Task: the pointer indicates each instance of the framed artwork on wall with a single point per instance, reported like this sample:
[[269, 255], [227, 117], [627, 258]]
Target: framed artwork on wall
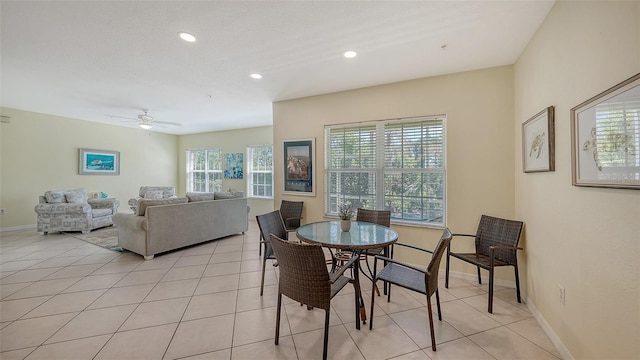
[[233, 166], [538, 142], [98, 162], [299, 162], [605, 138]]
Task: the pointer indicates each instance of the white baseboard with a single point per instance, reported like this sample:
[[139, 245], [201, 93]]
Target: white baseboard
[[16, 228], [564, 352]]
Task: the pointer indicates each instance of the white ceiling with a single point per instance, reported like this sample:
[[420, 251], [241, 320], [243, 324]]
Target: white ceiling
[[85, 59]]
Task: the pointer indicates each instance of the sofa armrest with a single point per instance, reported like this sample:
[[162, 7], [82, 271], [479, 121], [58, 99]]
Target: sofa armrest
[[63, 208], [130, 222], [109, 203]]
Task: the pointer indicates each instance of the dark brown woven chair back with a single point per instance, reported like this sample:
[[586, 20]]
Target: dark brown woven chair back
[[291, 212], [269, 223], [494, 231], [303, 274], [380, 217], [433, 268]]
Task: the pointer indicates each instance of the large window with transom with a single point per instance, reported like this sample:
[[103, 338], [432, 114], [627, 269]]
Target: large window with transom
[[397, 165]]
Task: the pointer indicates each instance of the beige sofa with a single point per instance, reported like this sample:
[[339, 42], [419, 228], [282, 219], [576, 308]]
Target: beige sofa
[[169, 224]]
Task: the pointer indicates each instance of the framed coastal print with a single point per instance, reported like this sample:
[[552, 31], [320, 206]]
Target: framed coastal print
[[538, 143], [299, 162], [233, 166], [605, 138], [98, 162]]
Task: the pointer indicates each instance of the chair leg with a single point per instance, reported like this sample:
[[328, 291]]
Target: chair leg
[[260, 247], [264, 264], [326, 335], [490, 290], [357, 290], [278, 317], [446, 271], [438, 304], [373, 300], [517, 282], [479, 277], [433, 335]]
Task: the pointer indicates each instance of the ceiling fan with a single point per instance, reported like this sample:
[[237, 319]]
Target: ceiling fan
[[145, 120]]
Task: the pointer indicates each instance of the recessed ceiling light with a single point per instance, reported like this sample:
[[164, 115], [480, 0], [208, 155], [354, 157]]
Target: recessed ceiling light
[[350, 54], [256, 76], [187, 37]]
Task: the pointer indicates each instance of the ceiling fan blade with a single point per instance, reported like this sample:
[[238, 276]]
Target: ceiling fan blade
[[167, 123], [120, 117]]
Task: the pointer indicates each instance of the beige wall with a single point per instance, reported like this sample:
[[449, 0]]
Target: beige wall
[[585, 239], [232, 141], [39, 152], [480, 160]]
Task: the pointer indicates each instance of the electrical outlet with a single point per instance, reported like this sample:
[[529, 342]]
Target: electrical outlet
[[3, 211], [562, 294]]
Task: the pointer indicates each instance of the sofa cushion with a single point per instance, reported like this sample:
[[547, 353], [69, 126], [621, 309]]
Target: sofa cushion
[[218, 195], [77, 196], [96, 213], [200, 196], [155, 194], [54, 197], [144, 203]]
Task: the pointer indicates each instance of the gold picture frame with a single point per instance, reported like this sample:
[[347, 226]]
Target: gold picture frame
[[538, 142], [605, 138]]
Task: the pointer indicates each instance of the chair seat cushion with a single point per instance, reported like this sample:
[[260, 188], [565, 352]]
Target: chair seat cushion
[[338, 285], [478, 259], [96, 213], [403, 276]]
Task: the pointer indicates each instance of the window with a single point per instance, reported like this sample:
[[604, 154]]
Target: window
[[396, 165], [260, 171], [204, 170]]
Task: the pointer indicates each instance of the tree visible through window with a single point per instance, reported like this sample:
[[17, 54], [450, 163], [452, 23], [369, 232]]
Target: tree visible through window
[[204, 170], [394, 165], [260, 171]]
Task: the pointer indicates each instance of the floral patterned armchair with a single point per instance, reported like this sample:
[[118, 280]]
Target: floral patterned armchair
[[151, 192], [72, 210]]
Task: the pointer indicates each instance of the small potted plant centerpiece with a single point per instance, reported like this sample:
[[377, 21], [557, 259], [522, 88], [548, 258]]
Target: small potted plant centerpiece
[[345, 211]]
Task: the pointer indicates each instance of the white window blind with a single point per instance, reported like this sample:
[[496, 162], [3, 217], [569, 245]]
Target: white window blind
[[260, 171], [204, 170], [397, 165]]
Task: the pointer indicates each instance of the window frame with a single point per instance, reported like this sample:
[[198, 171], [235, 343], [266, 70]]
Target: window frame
[[379, 172], [251, 171]]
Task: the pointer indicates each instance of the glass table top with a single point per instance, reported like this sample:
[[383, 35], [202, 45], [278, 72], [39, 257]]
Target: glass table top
[[363, 235]]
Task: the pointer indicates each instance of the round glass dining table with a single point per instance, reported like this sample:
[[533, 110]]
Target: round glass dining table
[[361, 237]]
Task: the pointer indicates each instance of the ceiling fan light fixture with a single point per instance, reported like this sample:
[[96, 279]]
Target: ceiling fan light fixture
[[350, 54], [145, 126], [187, 37]]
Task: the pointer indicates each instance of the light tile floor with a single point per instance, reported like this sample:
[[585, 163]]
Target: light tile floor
[[62, 298]]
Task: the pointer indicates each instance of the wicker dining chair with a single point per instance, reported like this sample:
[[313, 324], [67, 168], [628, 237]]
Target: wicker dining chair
[[270, 223], [496, 242], [414, 278], [303, 277], [291, 212]]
